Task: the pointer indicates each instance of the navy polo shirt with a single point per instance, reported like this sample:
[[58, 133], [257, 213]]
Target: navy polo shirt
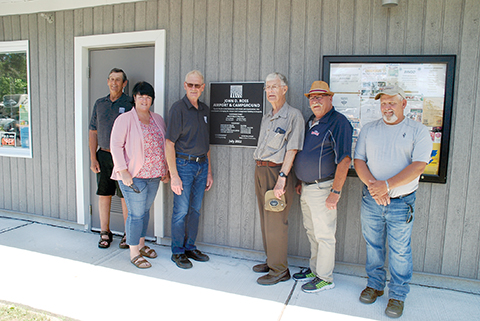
[[326, 144], [189, 127], [104, 114]]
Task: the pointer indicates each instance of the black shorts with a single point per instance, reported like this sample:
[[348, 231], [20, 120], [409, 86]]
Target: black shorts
[[105, 185]]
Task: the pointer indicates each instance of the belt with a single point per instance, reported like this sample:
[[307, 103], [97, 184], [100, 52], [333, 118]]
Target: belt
[[198, 159], [267, 163], [401, 196], [319, 180]]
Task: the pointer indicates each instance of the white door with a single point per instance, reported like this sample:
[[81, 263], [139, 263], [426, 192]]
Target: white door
[[138, 64]]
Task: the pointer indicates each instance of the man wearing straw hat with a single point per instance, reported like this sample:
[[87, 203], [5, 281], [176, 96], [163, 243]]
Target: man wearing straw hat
[[390, 155], [322, 167]]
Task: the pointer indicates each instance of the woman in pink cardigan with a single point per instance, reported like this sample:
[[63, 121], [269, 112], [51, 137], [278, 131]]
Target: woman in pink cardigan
[[137, 145]]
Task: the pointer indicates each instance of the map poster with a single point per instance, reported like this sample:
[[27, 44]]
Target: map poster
[[236, 111]]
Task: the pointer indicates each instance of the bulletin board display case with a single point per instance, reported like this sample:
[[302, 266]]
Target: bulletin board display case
[[428, 82]]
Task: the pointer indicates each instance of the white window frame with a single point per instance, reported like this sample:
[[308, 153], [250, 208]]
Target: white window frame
[[18, 47]]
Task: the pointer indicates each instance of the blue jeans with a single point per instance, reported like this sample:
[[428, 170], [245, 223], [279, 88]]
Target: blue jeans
[[393, 222], [186, 207], [138, 205]]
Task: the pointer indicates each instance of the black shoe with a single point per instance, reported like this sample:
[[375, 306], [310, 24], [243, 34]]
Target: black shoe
[[274, 279], [369, 295], [182, 261], [104, 243], [261, 268], [197, 256], [394, 308], [305, 274]]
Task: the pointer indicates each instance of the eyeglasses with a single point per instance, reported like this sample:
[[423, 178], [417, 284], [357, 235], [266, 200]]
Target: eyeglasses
[[317, 97], [274, 87], [189, 85], [135, 188]]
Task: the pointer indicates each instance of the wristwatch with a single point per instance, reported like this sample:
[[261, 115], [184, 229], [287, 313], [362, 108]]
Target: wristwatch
[[282, 174], [334, 191]]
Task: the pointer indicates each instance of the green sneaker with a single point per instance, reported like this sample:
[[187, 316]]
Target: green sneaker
[[304, 275], [317, 285]]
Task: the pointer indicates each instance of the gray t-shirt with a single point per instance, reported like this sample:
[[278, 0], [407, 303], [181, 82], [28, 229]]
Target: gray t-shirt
[[104, 114], [388, 149]]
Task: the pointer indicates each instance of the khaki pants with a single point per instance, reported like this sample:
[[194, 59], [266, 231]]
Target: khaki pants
[[321, 224], [274, 225]]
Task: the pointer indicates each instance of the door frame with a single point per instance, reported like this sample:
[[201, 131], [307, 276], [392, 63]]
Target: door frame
[[83, 44]]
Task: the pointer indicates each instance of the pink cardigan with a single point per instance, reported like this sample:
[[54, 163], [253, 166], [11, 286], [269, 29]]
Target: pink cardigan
[[126, 142]]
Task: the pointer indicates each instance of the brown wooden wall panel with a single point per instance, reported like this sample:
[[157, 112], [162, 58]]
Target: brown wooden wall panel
[[244, 40]]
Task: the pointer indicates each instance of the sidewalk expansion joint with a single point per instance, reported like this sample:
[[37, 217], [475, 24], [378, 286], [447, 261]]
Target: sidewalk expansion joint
[[8, 229], [287, 301], [107, 257]]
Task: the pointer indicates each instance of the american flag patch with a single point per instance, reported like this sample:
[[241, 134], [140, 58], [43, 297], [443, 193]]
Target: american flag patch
[[315, 132]]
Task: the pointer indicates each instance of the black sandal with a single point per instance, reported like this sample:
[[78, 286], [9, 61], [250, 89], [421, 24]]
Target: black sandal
[[123, 242], [102, 240]]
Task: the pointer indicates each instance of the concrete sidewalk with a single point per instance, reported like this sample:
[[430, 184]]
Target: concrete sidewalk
[[64, 272]]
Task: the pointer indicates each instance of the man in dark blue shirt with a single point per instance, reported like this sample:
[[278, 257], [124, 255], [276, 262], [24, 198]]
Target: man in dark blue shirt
[[188, 155], [105, 111], [322, 167]]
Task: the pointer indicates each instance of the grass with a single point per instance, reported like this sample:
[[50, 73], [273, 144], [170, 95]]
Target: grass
[[17, 312]]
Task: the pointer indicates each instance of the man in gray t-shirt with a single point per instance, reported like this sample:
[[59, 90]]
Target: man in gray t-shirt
[[105, 111], [390, 155]]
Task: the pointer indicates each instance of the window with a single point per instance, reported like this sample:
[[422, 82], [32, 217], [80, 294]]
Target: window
[[15, 115]]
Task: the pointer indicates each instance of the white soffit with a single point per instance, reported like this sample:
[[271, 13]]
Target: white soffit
[[13, 7]]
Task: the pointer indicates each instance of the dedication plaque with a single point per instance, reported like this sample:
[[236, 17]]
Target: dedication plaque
[[236, 111]]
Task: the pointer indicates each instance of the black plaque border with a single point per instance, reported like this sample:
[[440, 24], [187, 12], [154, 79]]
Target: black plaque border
[[235, 83]]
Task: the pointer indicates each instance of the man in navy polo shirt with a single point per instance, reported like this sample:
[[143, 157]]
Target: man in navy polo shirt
[[322, 167], [105, 111], [188, 155]]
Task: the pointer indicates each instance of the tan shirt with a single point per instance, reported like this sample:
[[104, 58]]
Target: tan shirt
[[278, 133]]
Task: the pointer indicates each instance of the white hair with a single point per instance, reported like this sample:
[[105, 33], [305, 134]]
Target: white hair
[[195, 72], [277, 75]]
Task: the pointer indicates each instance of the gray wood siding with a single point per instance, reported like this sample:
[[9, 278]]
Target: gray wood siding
[[244, 40]]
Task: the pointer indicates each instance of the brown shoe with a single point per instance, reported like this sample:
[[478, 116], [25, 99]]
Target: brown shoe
[[148, 252], [394, 308], [261, 268], [273, 279], [369, 295]]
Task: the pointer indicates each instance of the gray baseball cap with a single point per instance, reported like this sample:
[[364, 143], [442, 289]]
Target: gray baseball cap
[[391, 91]]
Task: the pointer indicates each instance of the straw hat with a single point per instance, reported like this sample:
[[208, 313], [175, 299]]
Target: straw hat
[[319, 87]]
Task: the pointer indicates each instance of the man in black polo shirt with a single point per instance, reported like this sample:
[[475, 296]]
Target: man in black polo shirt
[[188, 154], [105, 111], [322, 167]]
